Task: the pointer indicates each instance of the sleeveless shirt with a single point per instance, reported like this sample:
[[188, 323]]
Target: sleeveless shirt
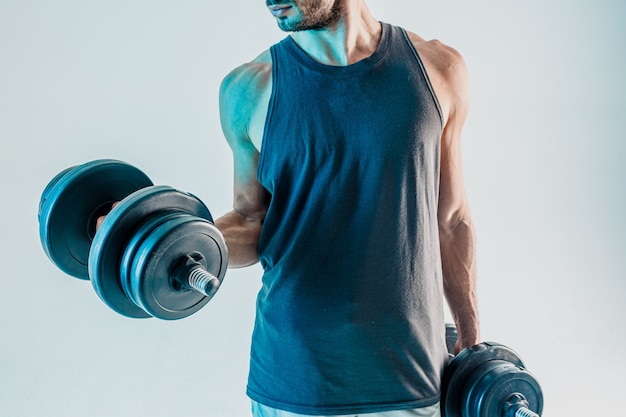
[[350, 314]]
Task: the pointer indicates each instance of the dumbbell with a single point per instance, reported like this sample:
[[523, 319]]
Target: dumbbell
[[157, 252], [488, 380]]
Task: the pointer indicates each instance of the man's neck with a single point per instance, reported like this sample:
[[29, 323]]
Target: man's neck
[[353, 38]]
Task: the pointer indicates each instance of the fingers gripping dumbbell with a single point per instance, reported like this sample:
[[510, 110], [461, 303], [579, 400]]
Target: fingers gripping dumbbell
[[157, 252], [488, 380]]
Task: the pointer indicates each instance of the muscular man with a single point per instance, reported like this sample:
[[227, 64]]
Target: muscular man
[[348, 189]]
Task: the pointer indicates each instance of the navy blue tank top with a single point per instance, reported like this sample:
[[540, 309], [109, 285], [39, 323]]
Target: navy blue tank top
[[350, 313]]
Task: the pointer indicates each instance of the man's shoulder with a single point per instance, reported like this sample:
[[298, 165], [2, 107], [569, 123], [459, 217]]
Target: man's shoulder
[[447, 71], [244, 95], [250, 77], [437, 54]]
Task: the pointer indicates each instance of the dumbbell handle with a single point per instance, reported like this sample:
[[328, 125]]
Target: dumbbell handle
[[203, 281]]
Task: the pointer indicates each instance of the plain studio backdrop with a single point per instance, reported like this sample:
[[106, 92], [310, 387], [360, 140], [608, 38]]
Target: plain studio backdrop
[[137, 80]]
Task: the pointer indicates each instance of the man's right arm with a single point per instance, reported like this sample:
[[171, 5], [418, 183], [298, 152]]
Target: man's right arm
[[243, 95]]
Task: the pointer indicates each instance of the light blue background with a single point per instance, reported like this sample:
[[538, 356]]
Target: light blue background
[[137, 80]]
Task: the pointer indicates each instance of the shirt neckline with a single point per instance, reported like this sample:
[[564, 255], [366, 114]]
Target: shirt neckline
[[362, 65]]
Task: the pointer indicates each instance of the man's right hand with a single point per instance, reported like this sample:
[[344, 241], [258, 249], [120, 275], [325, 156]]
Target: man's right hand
[[100, 219]]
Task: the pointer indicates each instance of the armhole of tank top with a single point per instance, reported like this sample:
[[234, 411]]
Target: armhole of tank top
[[269, 114], [426, 77]]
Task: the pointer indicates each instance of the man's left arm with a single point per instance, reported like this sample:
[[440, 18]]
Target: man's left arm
[[456, 230]]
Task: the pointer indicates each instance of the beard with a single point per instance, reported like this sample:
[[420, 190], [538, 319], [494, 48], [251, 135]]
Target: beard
[[312, 14]]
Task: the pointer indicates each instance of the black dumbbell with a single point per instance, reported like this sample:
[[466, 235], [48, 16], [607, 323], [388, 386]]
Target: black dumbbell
[[488, 380], [156, 254]]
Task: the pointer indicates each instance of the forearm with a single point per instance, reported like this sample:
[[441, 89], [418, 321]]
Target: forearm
[[459, 279], [242, 238]]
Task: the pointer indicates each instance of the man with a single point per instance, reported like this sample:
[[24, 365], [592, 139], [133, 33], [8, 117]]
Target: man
[[348, 189]]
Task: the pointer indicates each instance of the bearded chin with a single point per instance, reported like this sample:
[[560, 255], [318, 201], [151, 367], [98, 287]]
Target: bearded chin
[[293, 25], [311, 21]]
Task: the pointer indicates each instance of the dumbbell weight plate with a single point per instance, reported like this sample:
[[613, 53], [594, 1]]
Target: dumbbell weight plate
[[151, 273], [461, 368], [491, 384], [133, 246], [116, 231], [71, 203]]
